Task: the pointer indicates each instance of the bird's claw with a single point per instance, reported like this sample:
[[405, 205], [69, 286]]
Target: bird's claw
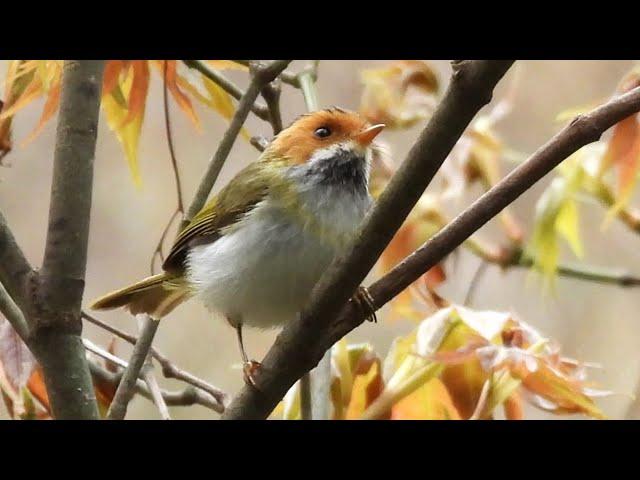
[[365, 303], [249, 369]]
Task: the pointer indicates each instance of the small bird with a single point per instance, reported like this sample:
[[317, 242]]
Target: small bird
[[257, 248]]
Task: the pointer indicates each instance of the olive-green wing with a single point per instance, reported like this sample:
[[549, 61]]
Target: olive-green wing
[[240, 195]]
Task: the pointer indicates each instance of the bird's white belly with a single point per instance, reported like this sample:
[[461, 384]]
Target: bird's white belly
[[262, 273]]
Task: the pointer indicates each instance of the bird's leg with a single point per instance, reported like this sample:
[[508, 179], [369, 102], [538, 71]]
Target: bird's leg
[[363, 299], [249, 367]]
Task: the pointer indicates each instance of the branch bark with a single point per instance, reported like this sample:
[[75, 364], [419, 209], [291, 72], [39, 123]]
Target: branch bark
[[56, 292], [303, 342], [126, 387], [186, 397], [14, 267]]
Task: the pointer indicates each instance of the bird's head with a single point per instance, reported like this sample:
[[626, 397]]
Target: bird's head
[[324, 135]]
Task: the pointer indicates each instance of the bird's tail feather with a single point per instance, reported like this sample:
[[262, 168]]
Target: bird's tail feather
[[156, 296]]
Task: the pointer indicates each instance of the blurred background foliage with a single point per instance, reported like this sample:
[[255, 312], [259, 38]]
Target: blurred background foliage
[[562, 220]]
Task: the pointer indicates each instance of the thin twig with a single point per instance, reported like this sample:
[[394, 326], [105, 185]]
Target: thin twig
[[151, 381], [157, 252], [186, 397], [172, 151], [156, 392], [101, 352], [179, 211], [515, 257], [125, 391], [261, 111], [13, 314], [288, 77], [169, 369], [475, 280], [260, 143], [271, 94]]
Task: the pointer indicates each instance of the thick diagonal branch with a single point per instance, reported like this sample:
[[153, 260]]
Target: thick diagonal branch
[[303, 342]]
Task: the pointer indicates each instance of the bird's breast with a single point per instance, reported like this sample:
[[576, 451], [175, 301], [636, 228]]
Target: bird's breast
[[262, 272]]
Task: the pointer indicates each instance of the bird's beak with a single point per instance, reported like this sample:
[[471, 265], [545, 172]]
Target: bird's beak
[[366, 136]]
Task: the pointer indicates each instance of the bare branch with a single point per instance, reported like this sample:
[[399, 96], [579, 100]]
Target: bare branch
[[260, 143], [304, 341], [14, 267], [126, 388], [186, 397], [151, 381], [271, 94], [172, 151], [13, 314], [169, 369], [156, 393]]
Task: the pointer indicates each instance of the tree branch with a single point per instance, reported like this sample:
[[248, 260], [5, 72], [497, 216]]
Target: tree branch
[[261, 111], [186, 397], [304, 341], [169, 369], [126, 387], [13, 314], [14, 267], [58, 289]]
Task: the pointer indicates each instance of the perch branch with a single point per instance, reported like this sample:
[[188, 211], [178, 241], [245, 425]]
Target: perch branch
[[303, 342]]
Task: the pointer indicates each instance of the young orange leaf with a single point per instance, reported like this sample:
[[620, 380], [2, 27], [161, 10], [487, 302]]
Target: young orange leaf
[[128, 134], [513, 407], [181, 99], [111, 78], [367, 386], [49, 109], [137, 96], [431, 401]]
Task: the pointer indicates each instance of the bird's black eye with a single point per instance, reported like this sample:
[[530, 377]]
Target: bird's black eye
[[322, 132]]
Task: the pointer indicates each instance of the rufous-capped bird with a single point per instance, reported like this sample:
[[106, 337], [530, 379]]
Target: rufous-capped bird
[[257, 248]]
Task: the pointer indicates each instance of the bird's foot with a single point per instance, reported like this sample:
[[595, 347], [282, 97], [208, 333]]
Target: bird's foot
[[249, 369], [363, 299]]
